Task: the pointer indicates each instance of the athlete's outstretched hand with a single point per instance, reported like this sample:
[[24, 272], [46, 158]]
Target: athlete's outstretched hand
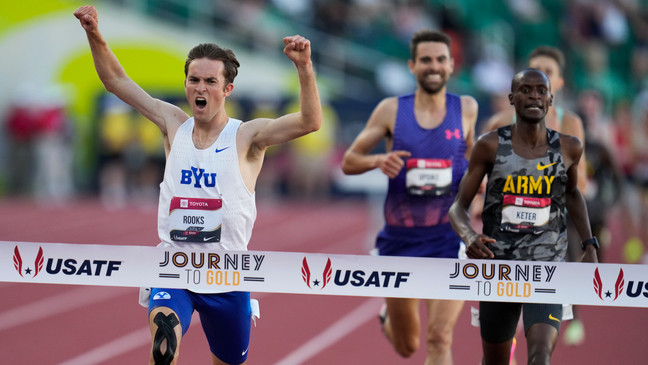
[[298, 49], [391, 163], [88, 17], [476, 249]]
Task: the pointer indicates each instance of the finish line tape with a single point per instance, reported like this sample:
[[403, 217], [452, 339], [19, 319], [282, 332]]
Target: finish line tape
[[325, 274]]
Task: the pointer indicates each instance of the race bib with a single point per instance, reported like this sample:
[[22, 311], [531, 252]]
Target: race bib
[[428, 176], [195, 220], [522, 214]]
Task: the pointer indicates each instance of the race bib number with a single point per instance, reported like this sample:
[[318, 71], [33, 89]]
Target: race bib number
[[428, 176], [195, 220], [525, 214]]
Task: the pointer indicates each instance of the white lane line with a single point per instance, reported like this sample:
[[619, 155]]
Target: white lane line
[[119, 346], [113, 349], [57, 304], [345, 325]]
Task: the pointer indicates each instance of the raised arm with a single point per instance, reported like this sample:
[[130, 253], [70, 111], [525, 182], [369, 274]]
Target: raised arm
[[481, 162], [116, 81], [267, 132]]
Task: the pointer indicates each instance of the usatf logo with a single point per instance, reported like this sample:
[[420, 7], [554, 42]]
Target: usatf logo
[[38, 263], [326, 275], [618, 286], [66, 266], [357, 278]]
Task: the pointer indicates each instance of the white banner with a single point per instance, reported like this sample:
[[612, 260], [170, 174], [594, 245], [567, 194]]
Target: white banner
[[325, 274]]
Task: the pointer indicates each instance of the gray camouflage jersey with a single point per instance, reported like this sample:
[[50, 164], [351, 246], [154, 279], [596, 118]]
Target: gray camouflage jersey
[[524, 208]]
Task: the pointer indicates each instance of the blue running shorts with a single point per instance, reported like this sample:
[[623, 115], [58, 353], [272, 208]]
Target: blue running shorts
[[225, 318]]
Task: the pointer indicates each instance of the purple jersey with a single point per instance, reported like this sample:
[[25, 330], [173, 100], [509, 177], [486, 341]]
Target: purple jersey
[[423, 191]]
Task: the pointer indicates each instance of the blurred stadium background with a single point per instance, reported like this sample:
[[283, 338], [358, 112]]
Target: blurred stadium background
[[63, 135]]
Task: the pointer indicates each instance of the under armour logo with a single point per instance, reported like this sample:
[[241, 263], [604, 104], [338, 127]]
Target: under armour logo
[[456, 134]]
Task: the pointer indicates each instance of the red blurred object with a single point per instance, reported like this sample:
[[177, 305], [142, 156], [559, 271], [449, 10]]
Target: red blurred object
[[25, 123]]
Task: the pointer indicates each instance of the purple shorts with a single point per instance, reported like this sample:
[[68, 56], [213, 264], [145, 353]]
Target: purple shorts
[[436, 241]]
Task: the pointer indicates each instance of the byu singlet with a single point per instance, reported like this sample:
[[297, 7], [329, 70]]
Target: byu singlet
[[422, 193], [524, 207], [204, 203]]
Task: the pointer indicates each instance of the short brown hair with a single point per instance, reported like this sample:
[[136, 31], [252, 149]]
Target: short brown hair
[[216, 53], [551, 52], [427, 35]]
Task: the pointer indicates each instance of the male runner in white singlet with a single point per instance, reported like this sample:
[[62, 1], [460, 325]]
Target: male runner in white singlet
[[207, 197]]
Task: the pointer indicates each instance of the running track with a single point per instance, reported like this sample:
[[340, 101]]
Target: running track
[[84, 325]]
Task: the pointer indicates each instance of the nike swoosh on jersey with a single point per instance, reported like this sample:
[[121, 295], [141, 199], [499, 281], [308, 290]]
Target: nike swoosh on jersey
[[205, 239], [222, 149], [542, 167], [553, 318]]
